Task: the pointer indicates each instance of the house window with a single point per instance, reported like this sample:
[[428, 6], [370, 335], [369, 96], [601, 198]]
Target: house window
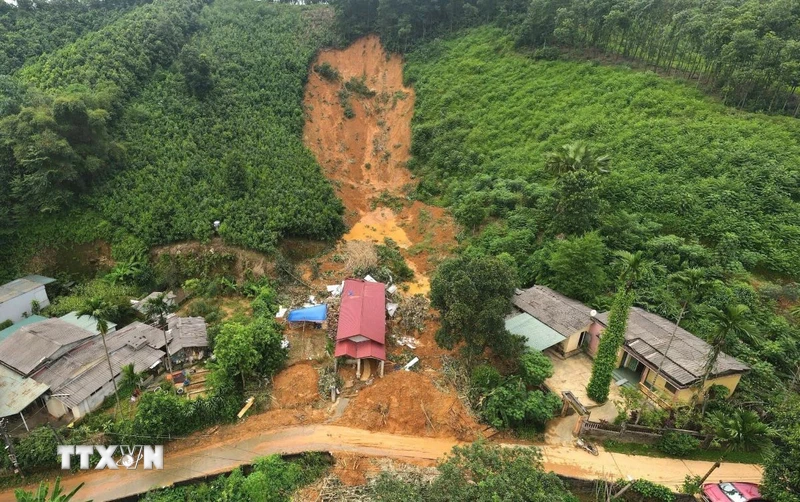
[[670, 388]]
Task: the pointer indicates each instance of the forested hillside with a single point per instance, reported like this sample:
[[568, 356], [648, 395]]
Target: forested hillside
[[691, 183], [747, 51], [218, 135], [57, 113], [131, 131], [34, 28]]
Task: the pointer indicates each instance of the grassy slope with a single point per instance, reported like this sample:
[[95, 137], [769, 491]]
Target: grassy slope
[[699, 169]]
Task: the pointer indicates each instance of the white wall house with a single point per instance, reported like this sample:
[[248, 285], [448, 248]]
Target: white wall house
[[17, 297]]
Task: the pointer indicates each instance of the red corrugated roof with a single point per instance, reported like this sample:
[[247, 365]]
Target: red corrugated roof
[[360, 350], [362, 311]]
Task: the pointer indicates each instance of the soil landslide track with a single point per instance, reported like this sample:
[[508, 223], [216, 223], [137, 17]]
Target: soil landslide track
[[365, 156]]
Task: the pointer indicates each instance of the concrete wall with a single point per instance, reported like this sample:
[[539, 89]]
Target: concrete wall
[[571, 344], [686, 395], [15, 307], [594, 338], [56, 408]]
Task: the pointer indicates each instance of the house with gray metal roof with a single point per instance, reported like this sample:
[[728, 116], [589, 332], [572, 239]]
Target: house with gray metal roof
[[546, 319], [34, 345], [80, 380], [188, 339], [18, 297], [665, 360]]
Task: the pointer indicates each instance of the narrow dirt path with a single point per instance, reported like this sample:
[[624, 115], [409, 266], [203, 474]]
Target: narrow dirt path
[[223, 457], [365, 155]]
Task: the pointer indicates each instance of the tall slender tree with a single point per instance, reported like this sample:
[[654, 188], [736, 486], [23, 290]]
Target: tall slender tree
[[102, 311], [730, 323], [633, 268], [158, 308], [690, 283]]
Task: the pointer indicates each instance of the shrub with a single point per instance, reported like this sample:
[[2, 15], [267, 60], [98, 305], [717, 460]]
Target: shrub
[[650, 491], [678, 444], [534, 368], [359, 86], [547, 53], [485, 378], [328, 72]]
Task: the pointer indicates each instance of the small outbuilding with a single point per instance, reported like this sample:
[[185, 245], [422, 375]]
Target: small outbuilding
[[19, 297]]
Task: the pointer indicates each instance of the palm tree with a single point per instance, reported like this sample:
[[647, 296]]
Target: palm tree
[[160, 307], [731, 322], [576, 156], [101, 311], [129, 376], [633, 267], [691, 283], [741, 430]]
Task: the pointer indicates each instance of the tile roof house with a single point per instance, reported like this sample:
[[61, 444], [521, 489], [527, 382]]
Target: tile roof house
[[647, 337], [361, 332], [550, 320]]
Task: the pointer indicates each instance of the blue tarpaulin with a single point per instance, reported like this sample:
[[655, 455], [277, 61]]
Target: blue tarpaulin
[[317, 313]]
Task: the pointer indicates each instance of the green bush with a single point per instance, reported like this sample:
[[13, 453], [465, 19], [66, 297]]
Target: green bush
[[652, 492], [328, 72], [678, 444], [534, 368]]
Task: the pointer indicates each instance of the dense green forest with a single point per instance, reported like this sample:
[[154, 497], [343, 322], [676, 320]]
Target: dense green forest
[[130, 131], [747, 50], [34, 28], [233, 150], [690, 183]]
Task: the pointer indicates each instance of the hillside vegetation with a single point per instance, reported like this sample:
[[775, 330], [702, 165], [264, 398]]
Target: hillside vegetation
[[36, 28], [227, 146], [690, 183], [723, 182], [163, 138]]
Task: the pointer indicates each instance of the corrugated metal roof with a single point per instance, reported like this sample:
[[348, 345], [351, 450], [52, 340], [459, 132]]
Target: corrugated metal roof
[[140, 305], [40, 279], [648, 335], [538, 335], [362, 311], [17, 392], [360, 350], [16, 288], [137, 333], [187, 332], [83, 371], [17, 325], [33, 344], [565, 315], [86, 322]]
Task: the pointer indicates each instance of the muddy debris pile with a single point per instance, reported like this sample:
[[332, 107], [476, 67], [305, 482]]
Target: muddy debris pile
[[296, 387], [406, 402]]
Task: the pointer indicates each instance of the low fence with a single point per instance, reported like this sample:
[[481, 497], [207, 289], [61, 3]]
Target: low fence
[[633, 433]]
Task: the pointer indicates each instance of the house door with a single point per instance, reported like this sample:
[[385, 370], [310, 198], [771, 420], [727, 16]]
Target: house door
[[583, 340]]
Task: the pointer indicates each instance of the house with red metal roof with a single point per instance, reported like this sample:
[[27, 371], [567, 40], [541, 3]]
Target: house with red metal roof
[[361, 333]]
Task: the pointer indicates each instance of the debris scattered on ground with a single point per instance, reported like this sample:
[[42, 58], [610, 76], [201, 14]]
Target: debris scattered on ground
[[405, 402]]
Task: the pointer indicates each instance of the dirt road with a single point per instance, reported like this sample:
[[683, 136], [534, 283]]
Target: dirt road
[[218, 458]]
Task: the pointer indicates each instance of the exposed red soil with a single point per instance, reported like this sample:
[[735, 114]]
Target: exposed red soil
[[365, 156], [296, 387], [407, 402]]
